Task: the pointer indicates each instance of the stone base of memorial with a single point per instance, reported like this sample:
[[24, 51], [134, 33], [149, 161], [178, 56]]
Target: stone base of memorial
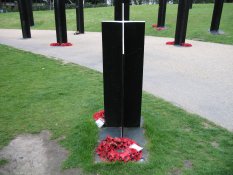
[[216, 32]]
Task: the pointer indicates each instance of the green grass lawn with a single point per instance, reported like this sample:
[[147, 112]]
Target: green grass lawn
[[199, 20], [37, 93]]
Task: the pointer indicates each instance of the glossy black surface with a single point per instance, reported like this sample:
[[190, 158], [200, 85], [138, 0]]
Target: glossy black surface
[[123, 73], [162, 13], [191, 4], [118, 10], [79, 16], [182, 20], [217, 13], [24, 18], [60, 21]]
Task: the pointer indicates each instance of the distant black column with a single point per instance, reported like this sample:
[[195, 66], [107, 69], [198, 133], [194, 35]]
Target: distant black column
[[191, 4], [24, 18], [182, 21], [118, 9], [123, 73], [216, 18], [79, 16], [162, 13], [30, 12], [60, 20]]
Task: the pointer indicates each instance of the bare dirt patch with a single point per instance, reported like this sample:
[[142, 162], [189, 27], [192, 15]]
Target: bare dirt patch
[[175, 171], [188, 164], [215, 144], [34, 155]]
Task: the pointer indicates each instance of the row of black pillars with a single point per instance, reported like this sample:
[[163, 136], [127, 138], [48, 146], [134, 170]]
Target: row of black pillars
[[182, 18], [118, 9]]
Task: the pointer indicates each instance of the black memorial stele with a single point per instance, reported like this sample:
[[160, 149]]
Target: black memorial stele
[[118, 10], [60, 20], [23, 6], [123, 72], [79, 17], [216, 18]]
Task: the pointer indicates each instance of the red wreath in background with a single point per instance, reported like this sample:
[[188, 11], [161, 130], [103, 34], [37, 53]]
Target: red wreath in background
[[158, 28], [118, 149], [61, 44], [183, 44]]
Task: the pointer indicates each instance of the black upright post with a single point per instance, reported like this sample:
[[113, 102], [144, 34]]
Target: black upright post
[[30, 12], [79, 16], [60, 20], [162, 13], [122, 72], [118, 9], [216, 18], [182, 21], [24, 18], [191, 4]]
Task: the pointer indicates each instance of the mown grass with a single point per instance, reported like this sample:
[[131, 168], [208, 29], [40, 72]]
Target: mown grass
[[3, 162], [37, 93], [199, 20]]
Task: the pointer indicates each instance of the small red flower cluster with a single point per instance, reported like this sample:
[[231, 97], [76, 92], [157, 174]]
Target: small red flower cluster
[[61, 44], [98, 115], [118, 149]]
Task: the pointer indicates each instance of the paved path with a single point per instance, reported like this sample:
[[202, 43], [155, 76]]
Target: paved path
[[198, 79]]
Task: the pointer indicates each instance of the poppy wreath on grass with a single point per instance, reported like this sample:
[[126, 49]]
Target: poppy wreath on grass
[[118, 149]]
